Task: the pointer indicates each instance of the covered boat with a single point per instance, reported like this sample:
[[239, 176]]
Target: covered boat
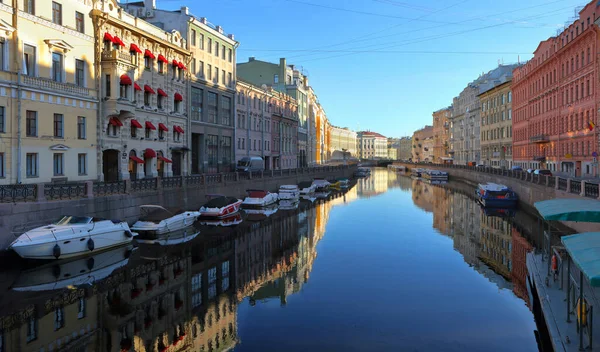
[[220, 206], [496, 195], [74, 272], [259, 198], [362, 172], [289, 192], [306, 187], [156, 220], [72, 236], [434, 176], [170, 238], [344, 182], [321, 184], [417, 172]]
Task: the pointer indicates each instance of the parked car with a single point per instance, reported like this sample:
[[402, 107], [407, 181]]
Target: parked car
[[250, 164], [516, 168], [480, 165], [529, 171], [543, 172]]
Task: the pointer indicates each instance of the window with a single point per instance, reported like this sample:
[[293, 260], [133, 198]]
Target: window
[[29, 7], [180, 71], [209, 72], [216, 75], [58, 164], [31, 123], [217, 49], [59, 126], [193, 37], [59, 318], [226, 111], [79, 24], [147, 63], [230, 56], [230, 80], [81, 305], [29, 60], [223, 52], [31, 329], [223, 76], [146, 98], [56, 13], [276, 79], [133, 132], [79, 72], [201, 41], [196, 103], [209, 45], [161, 67], [193, 66], [148, 131], [2, 120], [31, 165], [107, 85], [82, 167], [161, 133], [2, 174], [123, 91], [81, 127], [159, 100], [176, 105], [57, 67], [212, 107], [201, 69]]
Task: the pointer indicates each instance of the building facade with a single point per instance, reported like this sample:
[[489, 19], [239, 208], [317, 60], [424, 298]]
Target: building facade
[[343, 142], [286, 79], [48, 92], [556, 101], [422, 144], [403, 147], [441, 135], [496, 125], [142, 70], [372, 145], [284, 130], [212, 76], [254, 113]]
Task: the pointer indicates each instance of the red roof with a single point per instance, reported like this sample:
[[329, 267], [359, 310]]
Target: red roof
[[372, 134]]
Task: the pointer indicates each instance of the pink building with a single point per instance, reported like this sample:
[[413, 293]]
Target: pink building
[[556, 101]]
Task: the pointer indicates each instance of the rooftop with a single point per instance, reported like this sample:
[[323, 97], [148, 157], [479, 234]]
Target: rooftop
[[372, 134]]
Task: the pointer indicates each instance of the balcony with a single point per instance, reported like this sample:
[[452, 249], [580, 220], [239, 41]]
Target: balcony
[[52, 85], [540, 138], [116, 55]]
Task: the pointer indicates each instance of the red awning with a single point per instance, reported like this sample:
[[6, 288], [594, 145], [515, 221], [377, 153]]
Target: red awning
[[115, 122], [135, 123], [137, 86], [162, 93], [178, 97], [164, 159], [136, 159], [162, 127], [148, 53], [182, 66], [125, 80], [108, 37], [175, 63], [118, 40], [133, 47], [178, 129], [162, 59], [149, 153], [149, 89], [150, 126]]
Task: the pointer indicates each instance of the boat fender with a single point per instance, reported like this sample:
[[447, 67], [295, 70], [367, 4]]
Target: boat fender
[[554, 263], [90, 244], [90, 263], [128, 253], [56, 251], [128, 234], [56, 271]]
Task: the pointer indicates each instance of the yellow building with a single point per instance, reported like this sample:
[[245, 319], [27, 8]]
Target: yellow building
[[48, 100], [342, 142], [441, 135], [496, 124], [142, 71]]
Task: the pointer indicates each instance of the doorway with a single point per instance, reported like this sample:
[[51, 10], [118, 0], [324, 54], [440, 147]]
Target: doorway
[[110, 165], [177, 161]]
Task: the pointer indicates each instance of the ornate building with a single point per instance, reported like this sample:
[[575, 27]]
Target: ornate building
[[496, 124], [441, 135]]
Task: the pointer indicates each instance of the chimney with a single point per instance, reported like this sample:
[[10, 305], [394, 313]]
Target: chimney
[[185, 10], [203, 20], [150, 4], [231, 36], [219, 29], [282, 63], [251, 58]]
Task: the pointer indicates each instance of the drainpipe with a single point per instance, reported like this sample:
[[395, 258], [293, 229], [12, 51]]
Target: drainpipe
[[19, 139], [248, 122]]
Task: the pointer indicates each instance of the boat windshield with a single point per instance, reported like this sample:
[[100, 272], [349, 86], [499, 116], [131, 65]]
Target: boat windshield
[[72, 220]]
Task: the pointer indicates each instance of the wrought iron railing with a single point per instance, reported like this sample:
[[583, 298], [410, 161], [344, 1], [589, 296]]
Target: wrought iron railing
[[575, 186], [194, 180], [562, 184], [551, 181], [230, 177], [18, 193], [64, 190], [171, 182], [144, 184], [108, 188], [591, 190]]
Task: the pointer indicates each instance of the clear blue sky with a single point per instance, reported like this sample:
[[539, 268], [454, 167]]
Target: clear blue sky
[[440, 46]]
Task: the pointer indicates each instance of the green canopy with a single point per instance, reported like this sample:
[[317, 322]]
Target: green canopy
[[569, 209], [584, 249]]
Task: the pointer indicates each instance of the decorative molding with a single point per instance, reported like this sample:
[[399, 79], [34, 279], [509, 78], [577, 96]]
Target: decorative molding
[[59, 147], [59, 43], [58, 27], [7, 8], [63, 300], [5, 28]]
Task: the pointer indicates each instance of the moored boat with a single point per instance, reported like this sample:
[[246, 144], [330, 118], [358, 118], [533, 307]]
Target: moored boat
[[289, 192], [259, 214], [306, 188], [496, 195], [344, 182], [434, 176], [170, 238], [259, 198], [72, 236], [156, 220], [321, 184], [416, 172], [220, 206], [362, 172], [288, 204]]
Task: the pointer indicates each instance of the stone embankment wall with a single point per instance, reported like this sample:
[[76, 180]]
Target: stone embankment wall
[[14, 217]]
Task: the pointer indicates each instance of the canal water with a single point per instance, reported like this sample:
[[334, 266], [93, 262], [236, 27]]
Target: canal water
[[391, 264]]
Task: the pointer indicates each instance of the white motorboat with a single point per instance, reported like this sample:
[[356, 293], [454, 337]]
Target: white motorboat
[[220, 206], [259, 198], [258, 214], [156, 220], [74, 272], [231, 220], [289, 204], [170, 238], [72, 236], [309, 198], [289, 192], [321, 185], [306, 188]]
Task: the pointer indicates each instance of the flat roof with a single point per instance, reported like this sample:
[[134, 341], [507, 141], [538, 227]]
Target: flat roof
[[569, 209], [584, 249]]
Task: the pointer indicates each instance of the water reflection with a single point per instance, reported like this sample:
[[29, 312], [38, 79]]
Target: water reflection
[[211, 292]]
